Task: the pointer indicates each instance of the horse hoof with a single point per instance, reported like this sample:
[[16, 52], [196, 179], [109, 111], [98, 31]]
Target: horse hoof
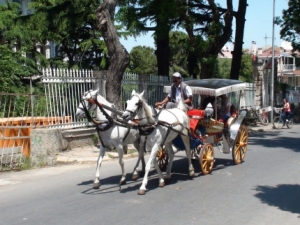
[[135, 177], [122, 182], [161, 184], [96, 185], [192, 173], [167, 180], [141, 192]]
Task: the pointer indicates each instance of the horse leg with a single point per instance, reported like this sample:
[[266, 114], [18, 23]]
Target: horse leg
[[186, 142], [121, 162], [161, 181], [153, 153], [171, 159], [96, 183], [140, 147]]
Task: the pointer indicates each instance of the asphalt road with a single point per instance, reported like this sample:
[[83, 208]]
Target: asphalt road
[[263, 190]]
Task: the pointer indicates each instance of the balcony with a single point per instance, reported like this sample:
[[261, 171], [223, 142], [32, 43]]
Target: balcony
[[286, 67]]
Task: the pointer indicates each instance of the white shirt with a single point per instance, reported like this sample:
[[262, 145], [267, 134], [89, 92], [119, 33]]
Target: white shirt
[[188, 92]]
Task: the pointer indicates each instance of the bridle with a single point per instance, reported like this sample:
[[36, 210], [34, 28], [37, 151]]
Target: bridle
[[139, 105], [90, 100]]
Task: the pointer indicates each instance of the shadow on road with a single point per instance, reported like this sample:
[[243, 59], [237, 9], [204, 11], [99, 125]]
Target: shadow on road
[[275, 139], [285, 197], [179, 174]]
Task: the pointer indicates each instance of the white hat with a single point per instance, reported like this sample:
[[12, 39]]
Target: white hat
[[177, 75]]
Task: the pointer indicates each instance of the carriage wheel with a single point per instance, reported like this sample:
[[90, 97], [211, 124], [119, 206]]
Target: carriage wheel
[[162, 158], [240, 145], [207, 158]]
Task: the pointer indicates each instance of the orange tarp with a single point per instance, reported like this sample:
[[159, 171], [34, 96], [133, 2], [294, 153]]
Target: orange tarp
[[20, 136]]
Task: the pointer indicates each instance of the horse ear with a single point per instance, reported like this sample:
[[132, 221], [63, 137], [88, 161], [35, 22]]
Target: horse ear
[[142, 94], [133, 92]]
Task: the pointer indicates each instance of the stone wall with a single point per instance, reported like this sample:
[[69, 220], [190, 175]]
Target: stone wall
[[258, 72], [45, 144]]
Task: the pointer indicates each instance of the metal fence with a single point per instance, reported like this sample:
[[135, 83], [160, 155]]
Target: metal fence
[[15, 123]]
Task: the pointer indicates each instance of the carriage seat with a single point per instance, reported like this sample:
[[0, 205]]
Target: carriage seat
[[195, 115]]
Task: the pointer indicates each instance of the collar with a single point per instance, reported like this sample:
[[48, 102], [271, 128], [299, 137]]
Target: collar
[[178, 86]]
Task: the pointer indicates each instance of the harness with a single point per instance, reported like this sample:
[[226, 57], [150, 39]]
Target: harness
[[99, 126], [148, 129]]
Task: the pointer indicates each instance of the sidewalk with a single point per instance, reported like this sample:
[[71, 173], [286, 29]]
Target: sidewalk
[[89, 154], [259, 128]]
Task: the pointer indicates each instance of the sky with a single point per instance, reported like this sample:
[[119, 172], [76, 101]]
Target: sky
[[258, 25]]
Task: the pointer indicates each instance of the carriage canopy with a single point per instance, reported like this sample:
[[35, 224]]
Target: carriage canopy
[[213, 87]]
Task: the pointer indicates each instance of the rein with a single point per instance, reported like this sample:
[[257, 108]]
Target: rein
[[147, 129]]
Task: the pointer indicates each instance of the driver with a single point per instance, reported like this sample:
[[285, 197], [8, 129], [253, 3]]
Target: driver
[[179, 90]]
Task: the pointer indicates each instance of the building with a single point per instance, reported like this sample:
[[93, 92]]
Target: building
[[287, 71]]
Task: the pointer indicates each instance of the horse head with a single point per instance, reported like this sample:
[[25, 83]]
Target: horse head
[[87, 102], [133, 106], [138, 110]]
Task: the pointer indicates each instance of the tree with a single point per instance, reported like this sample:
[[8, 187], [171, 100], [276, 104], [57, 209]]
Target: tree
[[223, 68], [179, 54], [246, 71], [289, 23], [13, 64], [119, 57], [239, 37], [209, 29], [72, 26], [139, 16], [142, 61]]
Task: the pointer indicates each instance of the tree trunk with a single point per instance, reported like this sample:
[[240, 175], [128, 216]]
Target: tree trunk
[[207, 68], [192, 64], [162, 55], [118, 56], [239, 36]]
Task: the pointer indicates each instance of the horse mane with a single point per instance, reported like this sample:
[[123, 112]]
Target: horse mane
[[103, 101], [147, 108]]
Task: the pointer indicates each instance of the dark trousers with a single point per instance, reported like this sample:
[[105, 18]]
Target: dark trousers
[[285, 116]]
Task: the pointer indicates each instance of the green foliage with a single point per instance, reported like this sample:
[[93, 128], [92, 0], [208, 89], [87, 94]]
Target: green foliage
[[72, 25], [179, 49], [246, 71], [12, 69], [289, 23], [224, 66], [142, 61]]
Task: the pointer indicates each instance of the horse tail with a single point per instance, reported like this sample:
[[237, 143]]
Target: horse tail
[[182, 106]]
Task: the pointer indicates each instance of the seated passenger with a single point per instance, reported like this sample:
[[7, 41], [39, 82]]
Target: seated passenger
[[224, 113], [208, 99]]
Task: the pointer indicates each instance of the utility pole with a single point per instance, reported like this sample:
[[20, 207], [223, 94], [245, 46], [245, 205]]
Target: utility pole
[[272, 76], [266, 37]]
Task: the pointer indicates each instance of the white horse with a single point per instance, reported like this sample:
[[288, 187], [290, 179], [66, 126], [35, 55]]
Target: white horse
[[170, 123], [114, 137]]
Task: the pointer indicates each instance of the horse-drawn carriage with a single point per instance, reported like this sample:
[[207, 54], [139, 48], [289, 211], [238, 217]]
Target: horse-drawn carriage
[[206, 131], [167, 128]]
